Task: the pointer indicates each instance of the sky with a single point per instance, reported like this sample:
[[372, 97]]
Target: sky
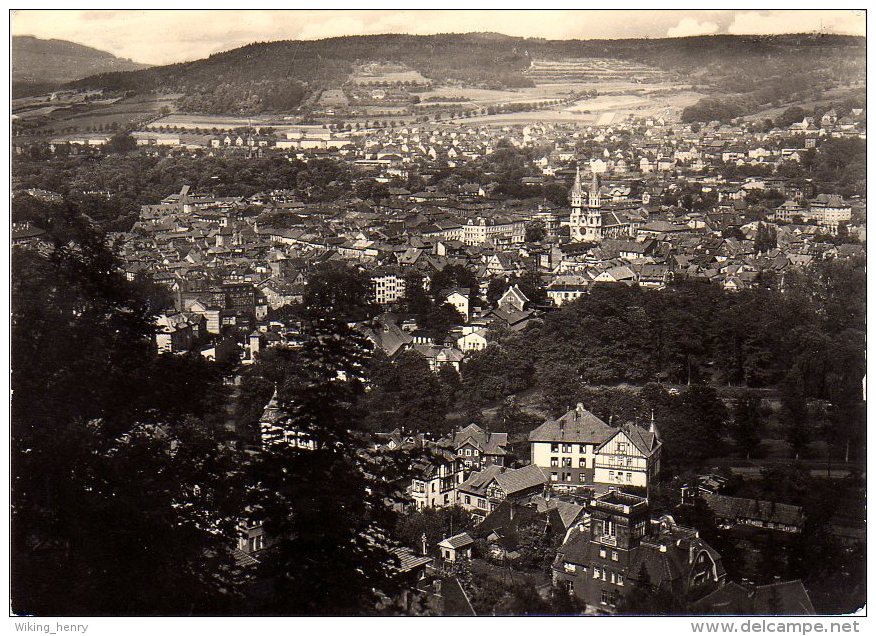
[[167, 36]]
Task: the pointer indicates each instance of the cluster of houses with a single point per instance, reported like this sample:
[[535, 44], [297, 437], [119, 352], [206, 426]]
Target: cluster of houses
[[585, 483], [235, 271]]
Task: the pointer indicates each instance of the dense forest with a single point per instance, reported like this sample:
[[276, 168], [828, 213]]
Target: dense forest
[[752, 71]]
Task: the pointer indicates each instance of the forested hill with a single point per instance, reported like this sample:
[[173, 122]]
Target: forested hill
[[282, 73], [49, 63]]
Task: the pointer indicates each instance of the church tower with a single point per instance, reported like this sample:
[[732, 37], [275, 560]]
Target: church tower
[[577, 194], [594, 201], [593, 230], [576, 198]]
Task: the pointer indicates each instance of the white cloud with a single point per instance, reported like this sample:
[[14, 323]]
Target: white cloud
[[691, 26], [166, 36], [769, 22]]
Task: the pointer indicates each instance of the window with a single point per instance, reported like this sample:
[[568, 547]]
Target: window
[[629, 461], [467, 499], [610, 528], [567, 462], [595, 573], [468, 452], [567, 476], [555, 462], [582, 448], [622, 447], [614, 555], [554, 477], [629, 477], [482, 503], [582, 463], [620, 579], [582, 478], [476, 453], [555, 448], [567, 448], [433, 486], [602, 553]]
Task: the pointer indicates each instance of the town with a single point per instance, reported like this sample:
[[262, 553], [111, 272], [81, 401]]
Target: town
[[443, 366]]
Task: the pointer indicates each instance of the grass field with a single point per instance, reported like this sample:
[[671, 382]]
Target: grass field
[[82, 118]]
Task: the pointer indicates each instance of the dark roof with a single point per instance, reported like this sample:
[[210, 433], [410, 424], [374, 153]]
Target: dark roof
[[514, 481], [788, 598], [457, 541], [408, 559], [726, 507], [578, 426]]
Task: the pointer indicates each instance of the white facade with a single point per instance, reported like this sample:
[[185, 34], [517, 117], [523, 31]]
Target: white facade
[[387, 288]]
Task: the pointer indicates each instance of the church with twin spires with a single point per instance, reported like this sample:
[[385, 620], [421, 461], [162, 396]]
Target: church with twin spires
[[590, 223]]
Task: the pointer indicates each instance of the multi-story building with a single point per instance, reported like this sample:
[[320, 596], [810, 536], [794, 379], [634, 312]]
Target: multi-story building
[[479, 231], [580, 451], [435, 479], [483, 491], [830, 211], [387, 287], [624, 547], [477, 448]]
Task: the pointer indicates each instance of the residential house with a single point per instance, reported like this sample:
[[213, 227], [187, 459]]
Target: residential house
[[602, 564], [456, 548], [436, 477], [485, 490], [473, 340], [581, 452], [478, 448]]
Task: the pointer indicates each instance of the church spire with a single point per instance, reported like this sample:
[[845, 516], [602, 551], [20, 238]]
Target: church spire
[[577, 190], [576, 196], [594, 200]]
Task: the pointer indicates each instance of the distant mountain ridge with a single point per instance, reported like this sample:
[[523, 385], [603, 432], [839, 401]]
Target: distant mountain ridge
[[55, 62], [279, 76]]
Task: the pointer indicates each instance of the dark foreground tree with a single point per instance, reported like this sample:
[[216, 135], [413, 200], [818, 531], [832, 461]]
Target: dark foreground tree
[[120, 506], [329, 509]]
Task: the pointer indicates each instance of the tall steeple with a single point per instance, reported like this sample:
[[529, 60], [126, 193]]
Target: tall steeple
[[594, 201], [576, 196]]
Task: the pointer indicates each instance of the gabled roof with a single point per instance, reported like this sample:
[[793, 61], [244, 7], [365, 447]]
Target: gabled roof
[[457, 541], [477, 482], [568, 512], [767, 511], [513, 481], [646, 442], [578, 426], [787, 598]]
